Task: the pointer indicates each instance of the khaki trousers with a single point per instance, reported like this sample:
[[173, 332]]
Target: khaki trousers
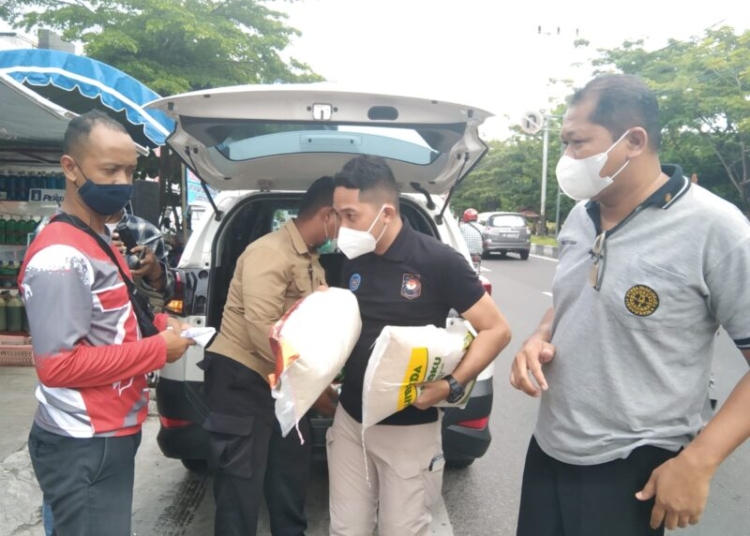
[[405, 472]]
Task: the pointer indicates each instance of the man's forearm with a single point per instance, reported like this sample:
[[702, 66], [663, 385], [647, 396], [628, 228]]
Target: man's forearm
[[158, 281], [544, 330], [726, 431], [483, 350]]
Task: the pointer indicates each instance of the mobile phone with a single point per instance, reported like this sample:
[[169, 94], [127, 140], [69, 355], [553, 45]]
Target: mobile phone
[[126, 236]]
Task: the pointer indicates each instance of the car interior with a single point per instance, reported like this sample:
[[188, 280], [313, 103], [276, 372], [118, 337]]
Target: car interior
[[260, 214]]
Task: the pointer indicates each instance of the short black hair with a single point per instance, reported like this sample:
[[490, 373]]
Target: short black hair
[[318, 195], [80, 128], [369, 174], [623, 101]]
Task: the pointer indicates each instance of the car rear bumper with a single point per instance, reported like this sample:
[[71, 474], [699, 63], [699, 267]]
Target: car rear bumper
[[182, 410], [464, 437], [492, 246]]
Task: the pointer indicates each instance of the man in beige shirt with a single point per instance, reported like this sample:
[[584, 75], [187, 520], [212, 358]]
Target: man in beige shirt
[[248, 456]]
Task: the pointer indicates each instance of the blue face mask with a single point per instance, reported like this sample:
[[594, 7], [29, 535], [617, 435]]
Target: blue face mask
[[104, 199]]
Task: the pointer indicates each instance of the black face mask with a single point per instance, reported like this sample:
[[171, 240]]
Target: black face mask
[[104, 199]]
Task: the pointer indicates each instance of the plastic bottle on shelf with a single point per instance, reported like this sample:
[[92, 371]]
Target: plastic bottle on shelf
[[2, 229], [18, 181], [31, 225], [10, 182], [3, 313], [10, 230], [9, 275], [14, 314], [20, 231]]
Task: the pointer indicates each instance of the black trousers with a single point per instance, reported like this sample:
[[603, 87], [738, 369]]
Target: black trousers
[[88, 482], [558, 499], [249, 458]]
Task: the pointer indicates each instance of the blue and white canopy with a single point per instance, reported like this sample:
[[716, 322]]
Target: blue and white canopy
[[79, 84]]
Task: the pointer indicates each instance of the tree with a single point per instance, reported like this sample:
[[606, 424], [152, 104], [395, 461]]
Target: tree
[[509, 176], [703, 86], [173, 46]]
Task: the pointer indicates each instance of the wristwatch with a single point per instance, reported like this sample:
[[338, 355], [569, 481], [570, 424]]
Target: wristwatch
[[457, 390]]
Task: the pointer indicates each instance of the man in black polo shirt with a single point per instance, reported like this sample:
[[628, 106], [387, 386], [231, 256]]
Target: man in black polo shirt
[[401, 278]]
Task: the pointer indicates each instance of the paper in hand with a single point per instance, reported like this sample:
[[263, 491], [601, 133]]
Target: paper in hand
[[201, 336]]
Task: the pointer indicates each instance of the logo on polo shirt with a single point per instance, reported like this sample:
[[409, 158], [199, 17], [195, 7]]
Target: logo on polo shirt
[[641, 300], [411, 286], [354, 281]]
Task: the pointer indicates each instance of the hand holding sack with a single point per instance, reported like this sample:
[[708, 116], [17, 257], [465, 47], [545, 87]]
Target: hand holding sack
[[405, 357], [312, 341]]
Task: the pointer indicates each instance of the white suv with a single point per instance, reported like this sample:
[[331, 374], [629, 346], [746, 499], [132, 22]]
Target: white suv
[[261, 147]]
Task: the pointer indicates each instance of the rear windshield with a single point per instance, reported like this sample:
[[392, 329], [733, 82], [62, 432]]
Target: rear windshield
[[506, 220], [243, 140]]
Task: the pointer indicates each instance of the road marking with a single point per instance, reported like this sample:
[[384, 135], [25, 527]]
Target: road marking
[[547, 294], [543, 257], [441, 524]]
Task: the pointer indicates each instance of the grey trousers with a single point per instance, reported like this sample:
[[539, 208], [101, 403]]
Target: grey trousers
[[88, 482], [395, 488]]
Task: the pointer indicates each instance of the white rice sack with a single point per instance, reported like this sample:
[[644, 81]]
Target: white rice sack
[[403, 358], [312, 341]]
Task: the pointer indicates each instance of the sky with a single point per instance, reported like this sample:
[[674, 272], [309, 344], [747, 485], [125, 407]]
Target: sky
[[477, 52]]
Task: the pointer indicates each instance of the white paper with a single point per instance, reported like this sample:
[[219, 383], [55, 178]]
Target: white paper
[[201, 336]]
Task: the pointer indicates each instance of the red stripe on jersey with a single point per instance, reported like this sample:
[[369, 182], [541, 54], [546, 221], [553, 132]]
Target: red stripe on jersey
[[113, 298]]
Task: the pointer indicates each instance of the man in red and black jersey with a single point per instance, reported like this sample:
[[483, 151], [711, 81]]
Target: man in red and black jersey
[[89, 352]]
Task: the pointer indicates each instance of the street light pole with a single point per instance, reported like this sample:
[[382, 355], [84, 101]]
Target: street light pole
[[545, 149]]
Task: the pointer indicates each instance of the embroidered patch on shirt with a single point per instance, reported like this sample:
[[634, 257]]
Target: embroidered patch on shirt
[[411, 286], [641, 300]]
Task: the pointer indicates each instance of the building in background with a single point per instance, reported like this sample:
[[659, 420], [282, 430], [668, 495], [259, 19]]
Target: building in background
[[47, 39]]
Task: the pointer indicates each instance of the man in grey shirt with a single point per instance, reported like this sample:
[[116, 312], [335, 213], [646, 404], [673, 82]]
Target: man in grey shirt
[[650, 266], [472, 234]]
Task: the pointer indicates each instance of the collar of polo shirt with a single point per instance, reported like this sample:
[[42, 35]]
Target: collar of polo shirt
[[662, 198]]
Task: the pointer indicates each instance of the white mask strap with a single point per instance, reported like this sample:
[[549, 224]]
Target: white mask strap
[[618, 141], [382, 208]]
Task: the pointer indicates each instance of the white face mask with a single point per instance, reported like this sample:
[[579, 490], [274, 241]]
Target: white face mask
[[354, 243], [580, 179]]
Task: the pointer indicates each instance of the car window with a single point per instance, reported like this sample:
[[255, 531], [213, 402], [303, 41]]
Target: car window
[[243, 140], [506, 220], [281, 216]]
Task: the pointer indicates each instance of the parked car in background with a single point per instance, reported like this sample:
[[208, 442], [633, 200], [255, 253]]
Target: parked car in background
[[505, 232], [261, 147]]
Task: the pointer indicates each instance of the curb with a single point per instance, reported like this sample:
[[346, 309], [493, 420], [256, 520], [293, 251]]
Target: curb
[[552, 252]]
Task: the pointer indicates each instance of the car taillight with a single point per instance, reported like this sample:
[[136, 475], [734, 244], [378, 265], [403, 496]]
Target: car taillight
[[476, 424], [176, 305], [166, 422], [486, 284]]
